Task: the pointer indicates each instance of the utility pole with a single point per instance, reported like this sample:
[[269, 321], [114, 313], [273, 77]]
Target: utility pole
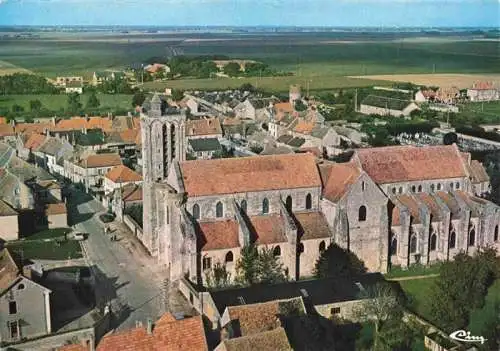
[[356, 101]]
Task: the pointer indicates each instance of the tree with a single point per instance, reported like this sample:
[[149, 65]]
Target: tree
[[29, 119], [338, 262], [300, 106], [450, 138], [232, 69], [74, 105], [270, 269], [138, 98], [92, 101], [35, 105], [383, 308], [218, 277], [17, 108], [247, 267], [177, 94]]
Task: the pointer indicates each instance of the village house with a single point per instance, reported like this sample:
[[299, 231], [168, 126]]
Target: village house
[[385, 106], [123, 198], [24, 305], [74, 87], [101, 77], [203, 128], [156, 68], [167, 333], [205, 148], [90, 170], [64, 81], [447, 95], [255, 109], [118, 177], [425, 95], [483, 91]]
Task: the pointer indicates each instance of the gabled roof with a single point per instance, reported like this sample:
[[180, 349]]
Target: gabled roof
[[285, 107], [337, 179], [123, 174], [217, 235], [478, 173], [312, 225], [168, 334], [6, 130], [51, 146], [6, 210], [255, 318], [205, 126], [268, 229], [394, 164], [205, 144], [34, 141], [8, 269], [412, 205], [248, 174], [451, 203], [132, 192], [30, 128], [430, 202], [275, 339], [319, 291], [101, 160]]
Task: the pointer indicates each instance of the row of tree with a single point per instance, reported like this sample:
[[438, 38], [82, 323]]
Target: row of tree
[[23, 83]]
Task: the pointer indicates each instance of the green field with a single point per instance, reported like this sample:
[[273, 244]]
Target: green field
[[418, 292], [323, 58], [58, 102], [47, 250]]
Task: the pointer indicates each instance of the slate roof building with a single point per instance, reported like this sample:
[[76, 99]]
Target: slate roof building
[[205, 148], [386, 106]]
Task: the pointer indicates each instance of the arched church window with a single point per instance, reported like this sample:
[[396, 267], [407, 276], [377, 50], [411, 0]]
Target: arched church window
[[265, 206], [439, 186], [453, 240], [322, 246], [457, 185], [433, 242], [229, 257], [413, 188], [432, 187], [362, 214], [393, 248], [196, 211], [219, 210], [289, 203], [413, 244], [277, 251], [308, 201], [420, 188], [472, 237], [400, 189]]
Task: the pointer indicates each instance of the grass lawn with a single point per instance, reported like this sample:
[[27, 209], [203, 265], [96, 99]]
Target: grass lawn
[[47, 250], [418, 291], [397, 272], [49, 234], [58, 102]]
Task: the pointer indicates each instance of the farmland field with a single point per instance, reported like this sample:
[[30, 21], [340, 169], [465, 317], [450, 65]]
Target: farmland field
[[58, 102], [324, 58], [461, 81]]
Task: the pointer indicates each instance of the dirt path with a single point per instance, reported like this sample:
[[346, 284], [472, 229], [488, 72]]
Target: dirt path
[[414, 277]]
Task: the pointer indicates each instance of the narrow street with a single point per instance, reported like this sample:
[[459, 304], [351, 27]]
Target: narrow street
[[133, 290]]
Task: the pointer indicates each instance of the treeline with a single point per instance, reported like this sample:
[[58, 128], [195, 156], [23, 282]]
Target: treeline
[[479, 132], [22, 83]]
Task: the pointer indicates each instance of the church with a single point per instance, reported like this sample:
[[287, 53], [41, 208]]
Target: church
[[391, 206]]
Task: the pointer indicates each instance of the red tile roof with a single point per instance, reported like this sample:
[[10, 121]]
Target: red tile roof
[[256, 318], [478, 173], [6, 130], [123, 174], [432, 205], [312, 225], [101, 160], [483, 86], [73, 347], [201, 127], [313, 150], [304, 127], [395, 164], [451, 203], [131, 193], [78, 123], [337, 178], [218, 235], [283, 107], [269, 229], [29, 128], [411, 204], [34, 141], [55, 209], [168, 335], [131, 135], [275, 339], [247, 174]]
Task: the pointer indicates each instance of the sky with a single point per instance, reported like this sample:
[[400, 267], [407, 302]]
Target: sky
[[387, 13]]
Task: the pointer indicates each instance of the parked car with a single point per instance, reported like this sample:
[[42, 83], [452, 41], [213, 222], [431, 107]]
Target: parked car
[[80, 236]]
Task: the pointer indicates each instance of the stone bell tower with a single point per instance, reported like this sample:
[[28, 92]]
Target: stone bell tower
[[163, 143]]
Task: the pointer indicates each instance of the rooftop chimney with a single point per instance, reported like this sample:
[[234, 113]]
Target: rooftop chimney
[[150, 326]]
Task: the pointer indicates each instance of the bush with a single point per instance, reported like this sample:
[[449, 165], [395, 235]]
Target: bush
[[107, 217]]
